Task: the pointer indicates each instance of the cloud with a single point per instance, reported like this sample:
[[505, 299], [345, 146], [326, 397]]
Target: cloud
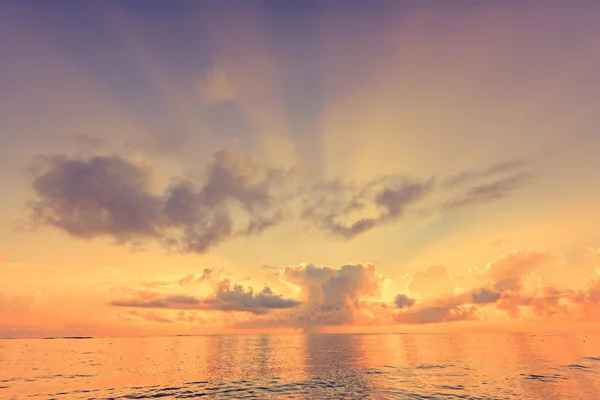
[[172, 302], [403, 301], [336, 206], [484, 296], [350, 295], [487, 192], [207, 274], [185, 280], [498, 242], [543, 302], [236, 298], [190, 316], [473, 175], [503, 289], [588, 297], [100, 196], [216, 86], [227, 297], [434, 288], [148, 316], [435, 282], [333, 296], [506, 290], [507, 272], [592, 289], [435, 314], [110, 196]]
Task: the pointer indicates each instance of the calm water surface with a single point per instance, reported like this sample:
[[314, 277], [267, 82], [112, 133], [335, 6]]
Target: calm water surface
[[304, 367]]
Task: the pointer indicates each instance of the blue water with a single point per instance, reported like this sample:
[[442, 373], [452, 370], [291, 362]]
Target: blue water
[[304, 367]]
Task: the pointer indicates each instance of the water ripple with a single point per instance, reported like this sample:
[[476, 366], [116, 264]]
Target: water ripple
[[544, 378], [302, 367]]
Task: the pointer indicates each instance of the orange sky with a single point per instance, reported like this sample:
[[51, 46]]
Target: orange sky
[[279, 167]]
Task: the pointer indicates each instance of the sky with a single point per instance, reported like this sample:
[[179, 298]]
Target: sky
[[299, 166]]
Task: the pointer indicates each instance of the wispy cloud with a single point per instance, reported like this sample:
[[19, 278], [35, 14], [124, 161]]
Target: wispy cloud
[[470, 176], [487, 192], [336, 207], [185, 280], [436, 314]]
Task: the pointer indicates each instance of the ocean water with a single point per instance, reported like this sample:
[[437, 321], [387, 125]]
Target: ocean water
[[400, 366]]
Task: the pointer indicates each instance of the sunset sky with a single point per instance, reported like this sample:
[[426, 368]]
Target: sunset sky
[[199, 167]]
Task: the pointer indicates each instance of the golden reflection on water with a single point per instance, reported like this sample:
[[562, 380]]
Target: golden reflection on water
[[556, 352], [387, 366]]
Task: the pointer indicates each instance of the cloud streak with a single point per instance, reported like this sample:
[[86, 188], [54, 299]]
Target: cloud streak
[[487, 192], [227, 297], [435, 314], [470, 176]]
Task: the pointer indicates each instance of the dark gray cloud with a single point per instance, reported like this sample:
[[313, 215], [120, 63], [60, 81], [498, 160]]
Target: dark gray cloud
[[227, 297], [236, 298], [100, 196], [484, 296], [403, 301], [110, 196]]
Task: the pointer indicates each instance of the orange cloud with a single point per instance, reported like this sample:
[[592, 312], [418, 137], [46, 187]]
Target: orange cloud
[[436, 314], [504, 290], [508, 271], [350, 296], [435, 282], [333, 296]]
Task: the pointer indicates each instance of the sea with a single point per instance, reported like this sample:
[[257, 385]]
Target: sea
[[304, 366]]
